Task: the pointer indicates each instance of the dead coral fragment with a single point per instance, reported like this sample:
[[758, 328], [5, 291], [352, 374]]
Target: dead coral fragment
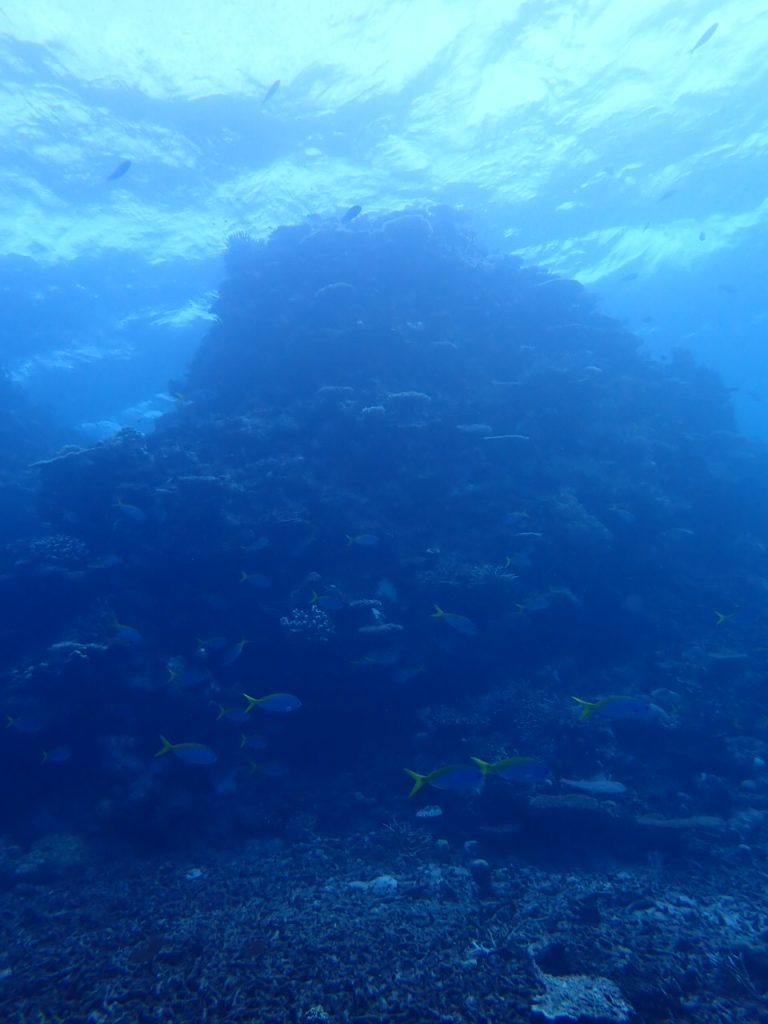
[[579, 997]]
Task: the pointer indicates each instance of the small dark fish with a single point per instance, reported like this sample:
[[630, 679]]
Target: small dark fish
[[232, 654], [667, 195], [702, 236], [363, 540], [351, 213], [25, 723], [270, 769], [705, 38], [628, 277], [122, 168], [271, 92], [252, 742], [59, 755]]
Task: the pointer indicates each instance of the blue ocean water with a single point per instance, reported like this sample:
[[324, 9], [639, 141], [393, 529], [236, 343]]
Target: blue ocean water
[[384, 524]]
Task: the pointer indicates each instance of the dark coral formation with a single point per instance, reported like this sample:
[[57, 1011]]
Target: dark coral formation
[[435, 494]]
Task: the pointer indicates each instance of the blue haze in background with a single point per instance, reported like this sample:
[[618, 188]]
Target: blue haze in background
[[585, 137]]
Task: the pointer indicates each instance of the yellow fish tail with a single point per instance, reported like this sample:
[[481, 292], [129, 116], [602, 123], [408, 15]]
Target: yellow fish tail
[[419, 781], [587, 707], [166, 748]]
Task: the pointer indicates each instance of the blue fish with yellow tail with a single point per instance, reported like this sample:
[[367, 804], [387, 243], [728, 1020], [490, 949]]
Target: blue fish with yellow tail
[[190, 753], [279, 703]]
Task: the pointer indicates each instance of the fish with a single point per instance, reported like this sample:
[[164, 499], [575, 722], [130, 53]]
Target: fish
[[183, 675], [455, 777], [190, 753], [629, 709], [460, 623], [280, 703], [363, 540], [351, 213], [386, 591], [705, 37], [516, 769], [597, 787], [723, 617], [59, 755], [271, 91], [232, 654], [27, 724], [210, 645], [128, 635], [138, 515], [252, 742], [379, 660], [236, 715], [186, 675], [122, 168]]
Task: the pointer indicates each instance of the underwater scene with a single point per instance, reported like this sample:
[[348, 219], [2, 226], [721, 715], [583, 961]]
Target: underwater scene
[[383, 513]]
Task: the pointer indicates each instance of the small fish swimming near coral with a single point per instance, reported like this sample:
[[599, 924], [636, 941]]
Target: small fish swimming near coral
[[279, 703], [122, 168], [628, 709], [451, 777], [516, 769], [190, 753], [460, 623]]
